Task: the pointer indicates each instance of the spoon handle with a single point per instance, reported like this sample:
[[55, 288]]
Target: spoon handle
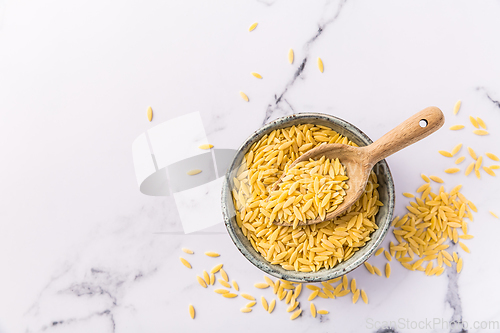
[[413, 129]]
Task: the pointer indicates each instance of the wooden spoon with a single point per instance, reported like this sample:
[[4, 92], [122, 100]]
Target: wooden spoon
[[359, 161]]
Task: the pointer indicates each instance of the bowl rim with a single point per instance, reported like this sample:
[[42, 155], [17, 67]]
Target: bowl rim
[[310, 276]]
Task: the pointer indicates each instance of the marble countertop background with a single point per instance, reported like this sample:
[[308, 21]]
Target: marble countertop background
[[82, 250]]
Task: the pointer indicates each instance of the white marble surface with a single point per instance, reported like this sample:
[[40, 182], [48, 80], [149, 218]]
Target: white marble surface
[[82, 250]]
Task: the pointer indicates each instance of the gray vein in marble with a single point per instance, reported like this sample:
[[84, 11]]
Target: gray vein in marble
[[386, 330], [100, 288], [271, 108], [75, 320], [494, 101], [34, 309], [89, 289], [454, 301]]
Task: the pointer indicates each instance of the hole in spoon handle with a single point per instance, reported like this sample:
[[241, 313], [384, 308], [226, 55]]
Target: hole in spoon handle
[[413, 129]]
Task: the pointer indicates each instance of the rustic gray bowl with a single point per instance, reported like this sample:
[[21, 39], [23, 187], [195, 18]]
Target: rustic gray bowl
[[383, 218]]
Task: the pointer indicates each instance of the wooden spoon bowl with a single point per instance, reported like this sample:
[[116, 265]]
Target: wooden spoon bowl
[[359, 161]]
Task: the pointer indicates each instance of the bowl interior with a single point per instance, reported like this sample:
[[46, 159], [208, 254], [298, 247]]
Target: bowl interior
[[383, 217]]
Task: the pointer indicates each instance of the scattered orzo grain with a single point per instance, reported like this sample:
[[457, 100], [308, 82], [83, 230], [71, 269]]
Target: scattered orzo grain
[[355, 296], [456, 127], [464, 247], [244, 96], [457, 106], [452, 170], [425, 178], [353, 285], [313, 295], [480, 132], [253, 26], [287, 284], [248, 297], [343, 293], [235, 286], [191, 311], [193, 172], [276, 286], [320, 65], [456, 149], [257, 75], [224, 275], [489, 171], [436, 179], [216, 268], [281, 294], [323, 312], [224, 283], [290, 56], [246, 310], [206, 277], [313, 310], [297, 291], [271, 306], [221, 291], [264, 303], [269, 281], [408, 195], [459, 265], [495, 215], [369, 268], [345, 282], [423, 187], [494, 167], [261, 285], [364, 296], [465, 236], [250, 304], [492, 156], [460, 160], [329, 293], [377, 271], [481, 122], [150, 113], [445, 153], [212, 254], [212, 278], [288, 297], [185, 262], [295, 314], [388, 256], [478, 163], [469, 168], [229, 295], [473, 121], [387, 270], [201, 281], [206, 146], [188, 251], [472, 153], [292, 306]]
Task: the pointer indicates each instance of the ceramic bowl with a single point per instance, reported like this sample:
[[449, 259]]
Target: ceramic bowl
[[383, 217]]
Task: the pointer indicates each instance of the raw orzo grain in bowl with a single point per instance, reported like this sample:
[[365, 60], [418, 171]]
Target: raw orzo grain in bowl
[[303, 248]]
